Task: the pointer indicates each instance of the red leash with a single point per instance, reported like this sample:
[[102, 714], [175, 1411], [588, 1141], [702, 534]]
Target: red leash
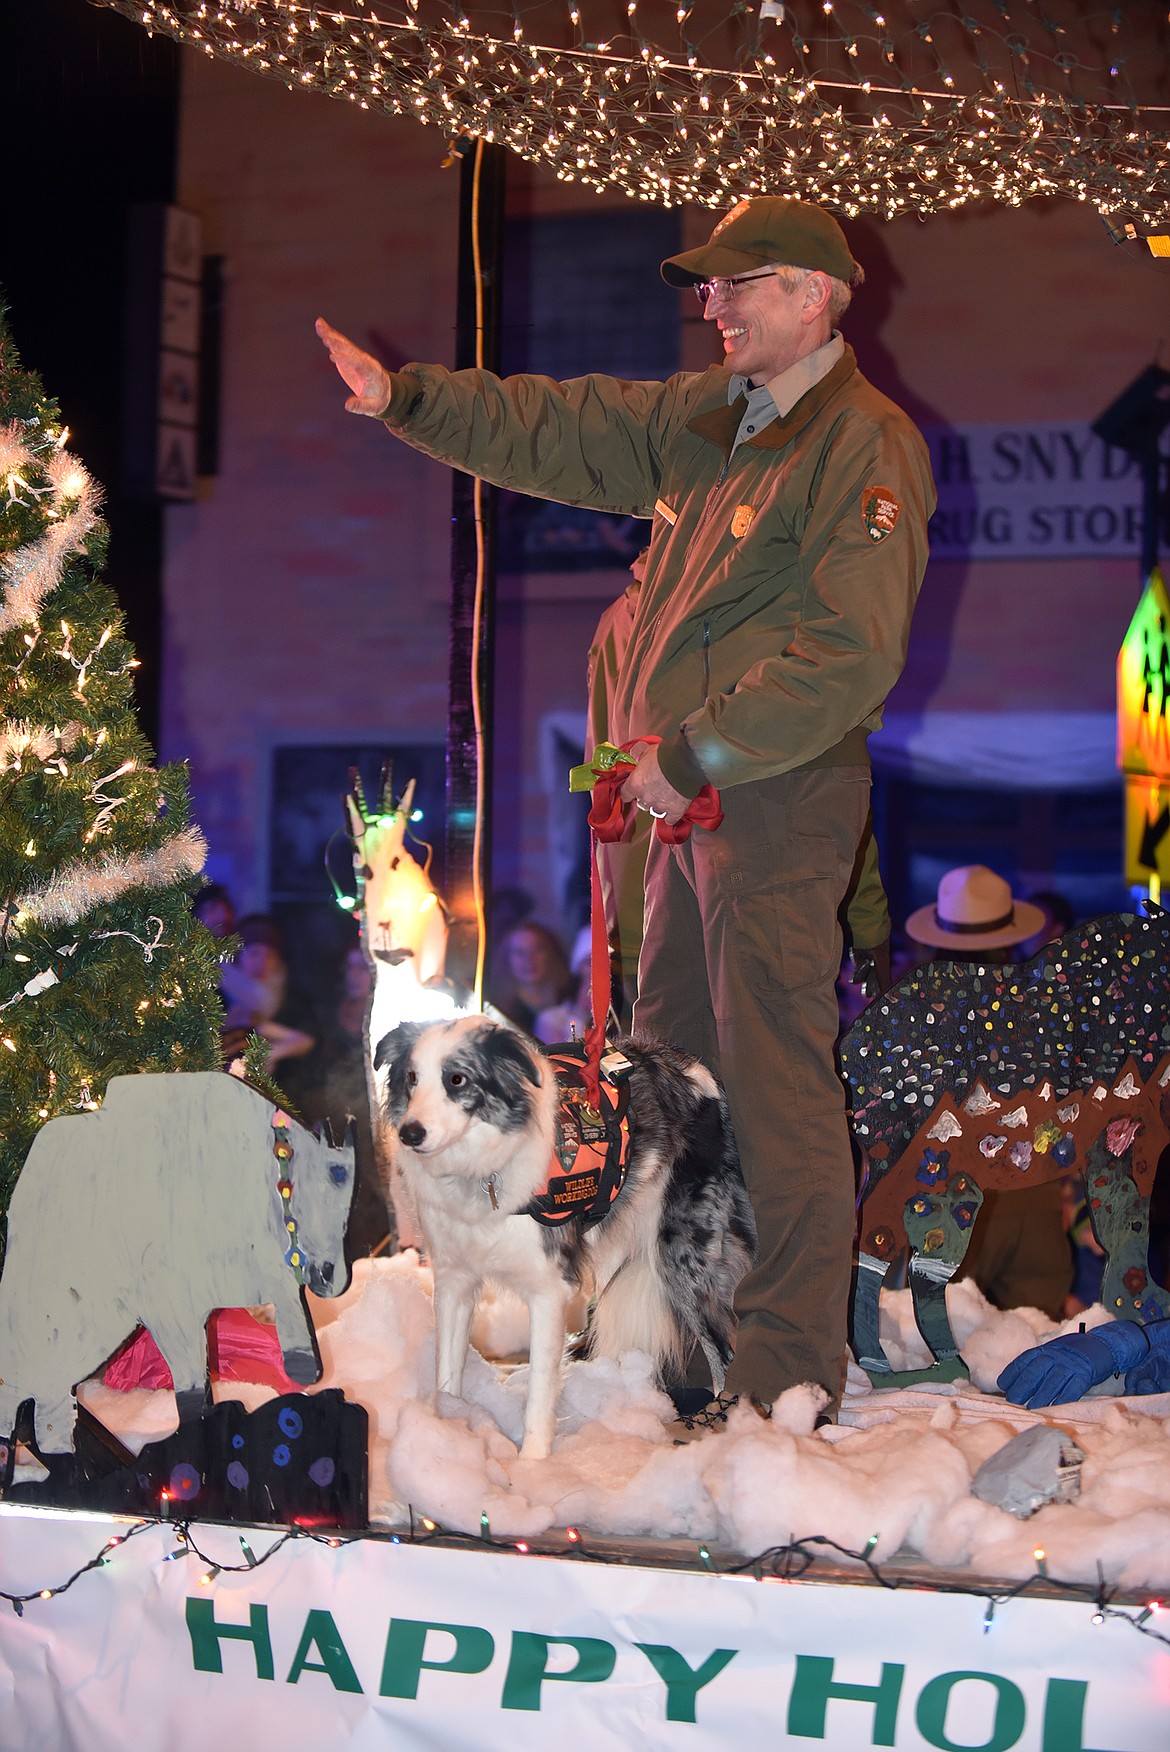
[[607, 818], [607, 815]]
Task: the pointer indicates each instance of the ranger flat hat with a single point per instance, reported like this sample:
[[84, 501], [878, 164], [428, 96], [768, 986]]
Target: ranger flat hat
[[761, 232], [974, 910]]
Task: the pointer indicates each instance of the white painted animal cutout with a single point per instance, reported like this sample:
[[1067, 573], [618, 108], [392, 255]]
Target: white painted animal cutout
[[184, 1193]]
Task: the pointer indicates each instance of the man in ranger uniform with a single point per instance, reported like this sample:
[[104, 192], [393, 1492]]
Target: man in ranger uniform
[[790, 502]]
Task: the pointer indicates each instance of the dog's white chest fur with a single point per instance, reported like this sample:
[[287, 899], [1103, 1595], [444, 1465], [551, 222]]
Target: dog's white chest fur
[[466, 1237]]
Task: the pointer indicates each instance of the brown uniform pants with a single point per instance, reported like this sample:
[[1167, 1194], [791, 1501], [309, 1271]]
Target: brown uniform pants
[[741, 951]]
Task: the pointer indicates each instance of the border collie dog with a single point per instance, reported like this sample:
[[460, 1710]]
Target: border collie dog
[[472, 1111]]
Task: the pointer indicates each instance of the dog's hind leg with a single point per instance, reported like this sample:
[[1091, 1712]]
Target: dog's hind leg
[[454, 1308], [632, 1312], [546, 1349], [706, 1242]]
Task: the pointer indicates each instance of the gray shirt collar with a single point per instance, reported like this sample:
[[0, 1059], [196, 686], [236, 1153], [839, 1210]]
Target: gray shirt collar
[[770, 401]]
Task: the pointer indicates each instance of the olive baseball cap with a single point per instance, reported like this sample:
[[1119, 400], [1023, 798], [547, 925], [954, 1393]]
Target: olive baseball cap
[[759, 232]]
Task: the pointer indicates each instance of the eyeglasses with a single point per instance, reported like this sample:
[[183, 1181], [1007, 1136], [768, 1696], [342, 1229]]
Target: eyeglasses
[[726, 288]]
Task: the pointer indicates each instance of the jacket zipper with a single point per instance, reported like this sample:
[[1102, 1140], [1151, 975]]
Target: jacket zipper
[[720, 478]]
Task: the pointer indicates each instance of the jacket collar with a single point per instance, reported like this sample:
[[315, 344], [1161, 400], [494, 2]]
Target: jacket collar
[[720, 424]]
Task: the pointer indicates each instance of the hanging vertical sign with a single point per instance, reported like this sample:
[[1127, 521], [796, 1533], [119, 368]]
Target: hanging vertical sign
[[1143, 686], [1147, 831], [161, 411], [1143, 735]]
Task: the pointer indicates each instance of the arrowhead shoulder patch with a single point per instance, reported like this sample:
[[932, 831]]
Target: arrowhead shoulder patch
[[740, 207], [880, 510]]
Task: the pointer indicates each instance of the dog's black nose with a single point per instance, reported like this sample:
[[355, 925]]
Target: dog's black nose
[[412, 1134]]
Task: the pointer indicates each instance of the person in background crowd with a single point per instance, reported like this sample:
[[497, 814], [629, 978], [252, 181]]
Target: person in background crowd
[[1059, 917], [790, 503], [213, 907], [534, 974], [510, 907], [1019, 1252], [569, 1020], [262, 1001]]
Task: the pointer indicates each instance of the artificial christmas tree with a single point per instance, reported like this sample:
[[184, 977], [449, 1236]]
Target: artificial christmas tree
[[103, 969]]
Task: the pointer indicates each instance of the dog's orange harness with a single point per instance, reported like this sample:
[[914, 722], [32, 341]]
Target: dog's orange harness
[[588, 1167]]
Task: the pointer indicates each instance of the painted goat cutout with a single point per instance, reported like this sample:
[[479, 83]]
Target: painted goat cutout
[[966, 1078], [184, 1193], [402, 916], [404, 936]]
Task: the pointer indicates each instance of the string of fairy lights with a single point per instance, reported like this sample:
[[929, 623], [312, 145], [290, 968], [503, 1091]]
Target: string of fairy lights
[[790, 1562], [904, 107]]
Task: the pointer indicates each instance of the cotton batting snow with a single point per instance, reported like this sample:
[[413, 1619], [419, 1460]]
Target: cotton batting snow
[[899, 1464]]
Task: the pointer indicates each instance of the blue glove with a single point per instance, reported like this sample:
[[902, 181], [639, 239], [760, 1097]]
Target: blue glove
[[1065, 1368], [1152, 1374]]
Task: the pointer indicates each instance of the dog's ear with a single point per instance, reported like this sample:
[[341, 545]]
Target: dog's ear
[[510, 1057], [396, 1044]]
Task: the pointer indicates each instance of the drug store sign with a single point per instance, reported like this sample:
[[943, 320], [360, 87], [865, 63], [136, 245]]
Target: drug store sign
[[1050, 490]]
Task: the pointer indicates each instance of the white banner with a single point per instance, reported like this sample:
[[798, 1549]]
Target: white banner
[[1040, 491], [376, 1645]]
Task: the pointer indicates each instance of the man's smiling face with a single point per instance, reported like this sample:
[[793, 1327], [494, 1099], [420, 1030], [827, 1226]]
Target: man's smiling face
[[766, 326]]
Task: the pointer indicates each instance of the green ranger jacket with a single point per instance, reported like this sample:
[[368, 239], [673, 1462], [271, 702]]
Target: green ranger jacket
[[782, 575]]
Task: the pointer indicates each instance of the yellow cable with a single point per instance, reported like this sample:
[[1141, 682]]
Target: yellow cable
[[477, 616]]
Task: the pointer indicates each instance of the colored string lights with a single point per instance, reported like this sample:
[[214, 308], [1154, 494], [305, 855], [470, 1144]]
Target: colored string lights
[[903, 108], [790, 1562]]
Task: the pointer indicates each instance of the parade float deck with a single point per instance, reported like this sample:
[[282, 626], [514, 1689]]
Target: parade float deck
[[606, 1643], [773, 1583]]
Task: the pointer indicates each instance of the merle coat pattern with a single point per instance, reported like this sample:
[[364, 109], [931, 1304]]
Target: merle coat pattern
[[471, 1107]]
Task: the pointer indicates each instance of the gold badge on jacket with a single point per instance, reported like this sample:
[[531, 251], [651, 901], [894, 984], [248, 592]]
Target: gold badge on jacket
[[879, 512], [741, 520]]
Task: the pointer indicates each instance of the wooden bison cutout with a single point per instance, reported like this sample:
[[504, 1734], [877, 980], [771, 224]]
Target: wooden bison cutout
[[184, 1193], [967, 1077]]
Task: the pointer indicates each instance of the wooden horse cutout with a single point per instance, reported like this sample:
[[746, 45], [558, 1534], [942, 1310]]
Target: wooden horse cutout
[[968, 1077]]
